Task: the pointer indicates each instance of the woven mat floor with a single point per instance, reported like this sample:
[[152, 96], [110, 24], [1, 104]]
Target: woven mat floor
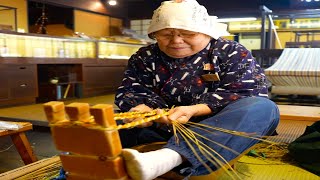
[[275, 167]]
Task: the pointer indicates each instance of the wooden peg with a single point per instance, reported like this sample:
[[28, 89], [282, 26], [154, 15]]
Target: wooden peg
[[55, 111], [103, 115], [78, 111]]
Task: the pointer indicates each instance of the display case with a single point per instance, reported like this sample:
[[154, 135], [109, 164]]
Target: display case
[[30, 45], [13, 44], [83, 67], [117, 50]]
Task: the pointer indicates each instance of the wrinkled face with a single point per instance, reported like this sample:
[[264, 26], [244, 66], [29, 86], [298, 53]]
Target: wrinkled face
[[179, 43]]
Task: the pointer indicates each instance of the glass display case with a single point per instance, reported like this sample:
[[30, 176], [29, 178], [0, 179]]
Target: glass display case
[[34, 45], [117, 50], [80, 66], [26, 45]]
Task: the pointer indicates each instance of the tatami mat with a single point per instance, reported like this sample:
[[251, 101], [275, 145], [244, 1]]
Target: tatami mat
[[268, 168], [289, 130], [274, 167], [251, 168]]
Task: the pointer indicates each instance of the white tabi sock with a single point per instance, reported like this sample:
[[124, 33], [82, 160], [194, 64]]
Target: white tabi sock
[[149, 165]]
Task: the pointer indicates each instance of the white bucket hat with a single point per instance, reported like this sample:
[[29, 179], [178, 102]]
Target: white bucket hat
[[187, 15]]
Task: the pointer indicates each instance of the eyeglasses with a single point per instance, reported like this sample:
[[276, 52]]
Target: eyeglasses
[[169, 34]]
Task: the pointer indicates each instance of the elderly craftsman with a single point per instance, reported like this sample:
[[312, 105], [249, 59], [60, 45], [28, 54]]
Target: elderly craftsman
[[207, 79]]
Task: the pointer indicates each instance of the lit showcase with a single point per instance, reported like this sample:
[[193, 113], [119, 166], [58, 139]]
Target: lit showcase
[[29, 45]]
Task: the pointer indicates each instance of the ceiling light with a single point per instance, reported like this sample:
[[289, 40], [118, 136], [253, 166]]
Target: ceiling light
[[112, 2]]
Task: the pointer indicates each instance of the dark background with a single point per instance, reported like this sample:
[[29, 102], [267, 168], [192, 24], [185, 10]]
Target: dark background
[[61, 11], [139, 9]]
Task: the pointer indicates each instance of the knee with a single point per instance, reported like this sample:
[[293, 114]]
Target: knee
[[267, 110], [268, 106], [258, 100], [261, 103], [257, 107], [265, 106], [253, 103]]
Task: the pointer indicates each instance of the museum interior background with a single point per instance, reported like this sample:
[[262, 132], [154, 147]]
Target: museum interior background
[[77, 50]]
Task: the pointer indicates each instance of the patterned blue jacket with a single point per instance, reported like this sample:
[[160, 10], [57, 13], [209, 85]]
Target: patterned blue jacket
[[159, 81]]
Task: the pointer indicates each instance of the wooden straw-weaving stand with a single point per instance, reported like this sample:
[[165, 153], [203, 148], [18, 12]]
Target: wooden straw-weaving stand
[[91, 147]]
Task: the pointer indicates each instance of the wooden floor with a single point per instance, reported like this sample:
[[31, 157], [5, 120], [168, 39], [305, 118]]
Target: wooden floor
[[34, 113]]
